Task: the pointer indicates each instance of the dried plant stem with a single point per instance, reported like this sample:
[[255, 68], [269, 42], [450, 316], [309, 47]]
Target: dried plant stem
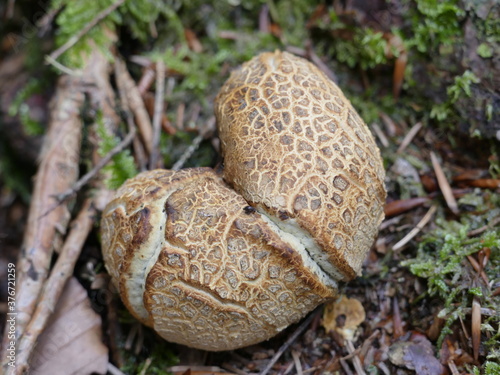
[[62, 271], [75, 38], [157, 117]]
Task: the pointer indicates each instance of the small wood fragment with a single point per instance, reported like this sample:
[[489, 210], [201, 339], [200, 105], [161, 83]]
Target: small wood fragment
[[399, 206], [444, 185], [409, 137]]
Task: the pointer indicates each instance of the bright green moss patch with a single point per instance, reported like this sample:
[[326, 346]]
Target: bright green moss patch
[[442, 260]]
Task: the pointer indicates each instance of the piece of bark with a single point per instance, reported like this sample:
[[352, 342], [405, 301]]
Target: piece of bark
[[71, 343], [59, 276], [57, 172]]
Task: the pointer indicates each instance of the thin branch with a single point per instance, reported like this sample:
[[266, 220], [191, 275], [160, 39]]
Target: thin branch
[[64, 69], [101, 164], [484, 228], [380, 134], [409, 137], [75, 38], [289, 342], [355, 359], [296, 360], [157, 117], [415, 230], [194, 145]]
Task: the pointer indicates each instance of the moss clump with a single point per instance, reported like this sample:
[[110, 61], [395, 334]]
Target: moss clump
[[442, 260], [122, 165]]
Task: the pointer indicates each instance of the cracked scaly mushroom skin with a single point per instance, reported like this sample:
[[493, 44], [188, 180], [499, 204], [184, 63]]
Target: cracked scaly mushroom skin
[[219, 265], [192, 263], [295, 148]]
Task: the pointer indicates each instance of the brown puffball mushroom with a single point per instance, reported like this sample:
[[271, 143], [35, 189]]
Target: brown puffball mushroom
[[218, 263], [294, 147]]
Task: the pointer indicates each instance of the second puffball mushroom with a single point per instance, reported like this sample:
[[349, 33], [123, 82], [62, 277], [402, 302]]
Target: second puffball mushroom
[[221, 262]]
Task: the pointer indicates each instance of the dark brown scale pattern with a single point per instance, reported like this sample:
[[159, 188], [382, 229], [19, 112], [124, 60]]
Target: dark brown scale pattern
[[298, 146]]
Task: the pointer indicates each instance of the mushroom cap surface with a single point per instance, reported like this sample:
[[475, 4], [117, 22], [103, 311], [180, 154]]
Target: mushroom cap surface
[[190, 261], [295, 148]]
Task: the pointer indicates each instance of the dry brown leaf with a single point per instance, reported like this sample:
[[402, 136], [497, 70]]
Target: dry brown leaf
[[71, 344], [416, 354]]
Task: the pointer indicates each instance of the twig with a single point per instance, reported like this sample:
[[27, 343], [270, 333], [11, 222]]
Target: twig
[[180, 116], [296, 361], [289, 342], [157, 117], [63, 68], [345, 366], [415, 230], [233, 369], [355, 359], [75, 38], [130, 98], [380, 134], [396, 318], [189, 152], [477, 267], [484, 228], [113, 370], [147, 363], [316, 60], [444, 185], [9, 12], [389, 123], [453, 367], [409, 137], [62, 271], [101, 164]]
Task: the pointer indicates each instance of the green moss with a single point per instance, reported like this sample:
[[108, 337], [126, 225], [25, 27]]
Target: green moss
[[288, 15], [485, 51], [442, 260], [122, 165], [75, 15], [19, 106], [434, 23], [461, 86]]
